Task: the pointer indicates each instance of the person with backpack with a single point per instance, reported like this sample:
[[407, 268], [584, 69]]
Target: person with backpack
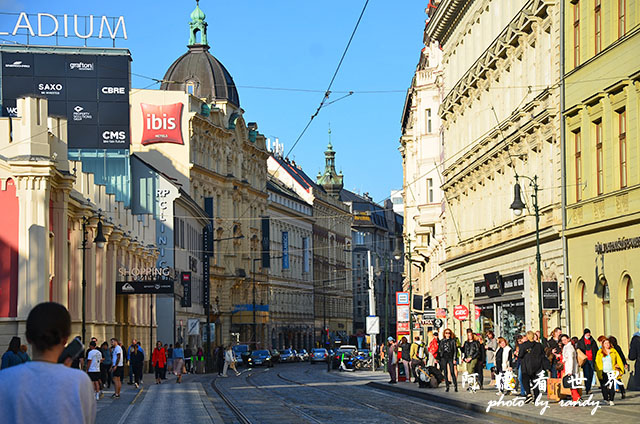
[[448, 354], [417, 354], [531, 356]]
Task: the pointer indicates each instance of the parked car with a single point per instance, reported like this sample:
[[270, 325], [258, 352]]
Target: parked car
[[259, 357], [288, 355], [318, 355], [349, 353], [241, 353], [275, 355], [303, 355]]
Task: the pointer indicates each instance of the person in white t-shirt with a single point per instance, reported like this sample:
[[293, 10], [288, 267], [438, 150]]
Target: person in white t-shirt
[[42, 390], [93, 367], [117, 359]]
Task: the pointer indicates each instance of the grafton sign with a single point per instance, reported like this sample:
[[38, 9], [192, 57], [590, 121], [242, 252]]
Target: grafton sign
[[48, 25]]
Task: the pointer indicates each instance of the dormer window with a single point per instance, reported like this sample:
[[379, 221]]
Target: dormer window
[[191, 88]]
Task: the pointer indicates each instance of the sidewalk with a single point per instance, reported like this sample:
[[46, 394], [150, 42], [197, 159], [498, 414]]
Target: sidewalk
[[624, 411]]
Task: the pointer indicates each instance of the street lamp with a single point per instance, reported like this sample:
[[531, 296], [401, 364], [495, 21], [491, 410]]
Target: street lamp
[[99, 240], [518, 206]]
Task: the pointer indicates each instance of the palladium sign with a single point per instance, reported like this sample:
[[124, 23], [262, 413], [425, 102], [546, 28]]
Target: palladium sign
[[48, 25]]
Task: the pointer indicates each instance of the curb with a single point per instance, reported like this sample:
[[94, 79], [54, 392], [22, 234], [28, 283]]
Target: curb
[[522, 417]]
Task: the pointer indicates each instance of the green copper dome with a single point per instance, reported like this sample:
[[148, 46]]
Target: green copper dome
[[198, 14]]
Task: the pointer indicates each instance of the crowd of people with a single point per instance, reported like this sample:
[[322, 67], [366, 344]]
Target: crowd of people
[[520, 369]]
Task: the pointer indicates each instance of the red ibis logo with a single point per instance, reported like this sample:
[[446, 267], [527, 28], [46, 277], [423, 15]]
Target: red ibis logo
[[461, 312], [162, 123]]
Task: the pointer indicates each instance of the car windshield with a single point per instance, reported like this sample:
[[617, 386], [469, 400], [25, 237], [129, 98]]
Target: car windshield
[[319, 350], [260, 353]]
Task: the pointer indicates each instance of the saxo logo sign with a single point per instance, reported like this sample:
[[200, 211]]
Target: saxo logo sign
[[162, 123]]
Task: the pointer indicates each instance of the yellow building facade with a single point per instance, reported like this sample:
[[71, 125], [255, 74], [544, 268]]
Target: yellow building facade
[[602, 148]]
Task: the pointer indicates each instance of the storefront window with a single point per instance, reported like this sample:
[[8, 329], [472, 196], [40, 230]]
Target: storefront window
[[606, 309], [487, 319], [631, 309], [512, 320]]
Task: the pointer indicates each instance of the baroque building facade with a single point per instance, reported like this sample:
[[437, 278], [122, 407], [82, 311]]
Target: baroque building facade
[[602, 91], [217, 159], [500, 117], [424, 207]]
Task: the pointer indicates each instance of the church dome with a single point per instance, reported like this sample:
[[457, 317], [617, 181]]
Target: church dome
[[197, 71]]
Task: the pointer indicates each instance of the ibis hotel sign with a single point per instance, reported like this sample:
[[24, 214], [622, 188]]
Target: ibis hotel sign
[[66, 25]]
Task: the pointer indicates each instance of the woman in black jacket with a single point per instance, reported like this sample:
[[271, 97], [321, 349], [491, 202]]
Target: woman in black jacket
[[614, 344], [137, 360], [504, 363], [448, 357], [531, 355], [482, 360]]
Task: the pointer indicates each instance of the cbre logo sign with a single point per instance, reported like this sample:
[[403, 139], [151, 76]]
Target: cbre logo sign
[[161, 123]]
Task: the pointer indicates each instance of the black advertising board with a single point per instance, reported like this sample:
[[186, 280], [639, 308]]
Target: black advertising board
[[550, 295], [513, 283], [266, 243], [491, 286], [144, 287], [185, 277], [91, 91]]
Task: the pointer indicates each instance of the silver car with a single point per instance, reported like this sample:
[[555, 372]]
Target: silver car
[[318, 355]]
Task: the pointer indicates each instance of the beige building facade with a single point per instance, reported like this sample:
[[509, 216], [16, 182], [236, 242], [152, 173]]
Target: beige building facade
[[500, 116]]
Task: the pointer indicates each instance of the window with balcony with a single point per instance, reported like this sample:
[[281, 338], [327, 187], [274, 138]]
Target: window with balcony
[[622, 13], [578, 157], [598, 26], [599, 159], [622, 137], [576, 35]]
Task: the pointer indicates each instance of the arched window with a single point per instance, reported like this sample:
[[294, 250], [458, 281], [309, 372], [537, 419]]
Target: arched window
[[584, 306], [191, 87], [631, 308], [606, 308]]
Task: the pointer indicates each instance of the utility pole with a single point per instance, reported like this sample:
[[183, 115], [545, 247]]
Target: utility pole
[[410, 290], [255, 337], [386, 304], [372, 308]]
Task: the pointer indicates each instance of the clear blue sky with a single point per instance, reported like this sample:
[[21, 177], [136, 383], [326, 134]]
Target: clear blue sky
[[290, 44]]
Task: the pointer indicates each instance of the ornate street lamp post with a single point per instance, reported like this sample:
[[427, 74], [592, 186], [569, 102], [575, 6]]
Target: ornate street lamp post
[[99, 240], [518, 206]]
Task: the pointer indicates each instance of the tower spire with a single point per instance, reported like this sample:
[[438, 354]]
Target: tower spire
[[330, 180], [198, 24]]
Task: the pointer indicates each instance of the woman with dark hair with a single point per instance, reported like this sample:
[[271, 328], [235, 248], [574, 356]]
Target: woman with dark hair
[[159, 361], [531, 356], [105, 367], [448, 354], [11, 356], [44, 390], [608, 361], [136, 360], [614, 344]]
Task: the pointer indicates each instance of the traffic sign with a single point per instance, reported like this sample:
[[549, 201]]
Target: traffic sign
[[429, 314], [373, 325], [438, 323]]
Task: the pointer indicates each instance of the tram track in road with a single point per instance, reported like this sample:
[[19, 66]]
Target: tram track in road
[[242, 418]]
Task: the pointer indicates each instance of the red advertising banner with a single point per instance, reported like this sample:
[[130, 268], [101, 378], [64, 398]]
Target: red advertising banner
[[441, 313], [403, 328], [162, 123], [461, 312]]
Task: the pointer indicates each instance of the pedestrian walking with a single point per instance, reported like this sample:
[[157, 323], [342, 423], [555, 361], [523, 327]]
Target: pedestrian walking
[[117, 367], [516, 357], [616, 346], [42, 390], [609, 368], [392, 357], [159, 362], [491, 346], [531, 357], [137, 362], [569, 359], [200, 361], [170, 358], [166, 357], [634, 355], [22, 353], [448, 354], [554, 348], [105, 366], [587, 346], [404, 350], [482, 360], [470, 353], [433, 350], [220, 359], [188, 359], [178, 362], [94, 359], [418, 355], [11, 357], [130, 349], [229, 361], [504, 364]]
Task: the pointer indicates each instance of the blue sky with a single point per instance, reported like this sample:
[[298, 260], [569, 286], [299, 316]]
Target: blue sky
[[290, 44]]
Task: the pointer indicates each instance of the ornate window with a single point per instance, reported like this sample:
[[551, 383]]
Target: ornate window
[[622, 137], [598, 26], [584, 306], [576, 35], [191, 87], [599, 158], [578, 155], [622, 13], [631, 309]]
